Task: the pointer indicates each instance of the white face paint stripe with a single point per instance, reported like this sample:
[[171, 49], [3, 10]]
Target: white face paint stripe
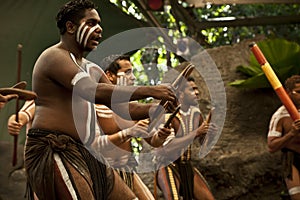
[[82, 34], [65, 175], [78, 77], [78, 31], [89, 33]]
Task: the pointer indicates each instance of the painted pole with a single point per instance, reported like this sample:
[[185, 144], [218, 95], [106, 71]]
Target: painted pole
[[274, 81]]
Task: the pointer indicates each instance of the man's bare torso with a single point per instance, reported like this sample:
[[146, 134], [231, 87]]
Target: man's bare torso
[[54, 101]]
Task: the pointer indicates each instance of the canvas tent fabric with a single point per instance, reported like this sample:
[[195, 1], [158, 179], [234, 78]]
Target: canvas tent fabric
[[32, 24]]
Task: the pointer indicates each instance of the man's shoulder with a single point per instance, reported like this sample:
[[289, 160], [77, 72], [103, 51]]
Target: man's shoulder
[[195, 109], [53, 53], [281, 112], [89, 64]]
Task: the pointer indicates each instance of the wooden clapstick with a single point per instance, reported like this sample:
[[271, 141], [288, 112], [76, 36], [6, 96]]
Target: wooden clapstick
[[208, 118], [171, 117], [158, 113], [204, 140]]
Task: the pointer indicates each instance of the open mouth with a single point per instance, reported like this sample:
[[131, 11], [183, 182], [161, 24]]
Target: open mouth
[[96, 42]]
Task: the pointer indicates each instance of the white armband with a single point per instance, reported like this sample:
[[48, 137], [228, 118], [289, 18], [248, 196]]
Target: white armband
[[274, 134], [123, 135], [27, 115], [169, 138], [294, 190], [79, 76]]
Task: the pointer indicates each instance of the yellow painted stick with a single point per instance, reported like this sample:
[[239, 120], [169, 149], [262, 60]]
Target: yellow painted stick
[[274, 81]]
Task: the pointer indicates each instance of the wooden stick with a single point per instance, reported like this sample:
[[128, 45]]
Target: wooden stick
[[19, 62], [208, 118], [274, 81], [158, 113], [172, 116], [204, 141]]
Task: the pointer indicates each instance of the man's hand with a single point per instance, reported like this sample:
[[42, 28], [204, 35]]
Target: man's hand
[[202, 129], [140, 129], [295, 127], [164, 92], [14, 127], [206, 128], [159, 136]]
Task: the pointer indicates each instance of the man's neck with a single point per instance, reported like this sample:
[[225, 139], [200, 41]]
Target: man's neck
[[185, 110], [69, 44]]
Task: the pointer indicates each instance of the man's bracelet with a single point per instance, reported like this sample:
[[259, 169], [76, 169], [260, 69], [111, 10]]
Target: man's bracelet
[[28, 117], [123, 134]]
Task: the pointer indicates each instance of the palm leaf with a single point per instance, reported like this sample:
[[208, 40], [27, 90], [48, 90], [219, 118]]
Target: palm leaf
[[261, 79], [249, 70], [283, 56]]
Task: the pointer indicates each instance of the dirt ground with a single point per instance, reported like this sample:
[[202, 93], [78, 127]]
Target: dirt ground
[[239, 167], [12, 179]]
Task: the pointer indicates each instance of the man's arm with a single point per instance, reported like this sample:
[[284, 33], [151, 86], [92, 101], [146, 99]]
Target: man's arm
[[173, 147], [59, 66], [133, 110], [277, 142], [25, 115]]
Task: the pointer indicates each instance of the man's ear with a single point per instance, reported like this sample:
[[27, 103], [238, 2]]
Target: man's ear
[[180, 94], [71, 27], [110, 76]]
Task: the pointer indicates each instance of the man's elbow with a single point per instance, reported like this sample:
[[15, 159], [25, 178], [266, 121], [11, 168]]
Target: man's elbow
[[272, 149]]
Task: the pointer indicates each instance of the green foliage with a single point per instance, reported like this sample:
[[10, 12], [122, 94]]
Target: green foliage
[[136, 145], [284, 58], [225, 35], [230, 35]]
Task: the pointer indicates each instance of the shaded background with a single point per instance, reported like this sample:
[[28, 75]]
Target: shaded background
[[32, 24]]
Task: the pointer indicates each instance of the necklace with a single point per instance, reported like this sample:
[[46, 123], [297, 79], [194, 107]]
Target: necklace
[[188, 112]]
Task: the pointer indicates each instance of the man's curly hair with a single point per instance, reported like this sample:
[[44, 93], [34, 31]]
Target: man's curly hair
[[290, 82], [72, 11]]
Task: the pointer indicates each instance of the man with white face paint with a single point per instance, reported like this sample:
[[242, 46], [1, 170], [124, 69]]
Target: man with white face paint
[[179, 179], [120, 155], [57, 160], [284, 136]]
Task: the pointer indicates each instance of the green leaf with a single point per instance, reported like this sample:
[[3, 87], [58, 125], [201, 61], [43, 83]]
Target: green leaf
[[261, 81], [249, 70], [282, 55], [253, 82]]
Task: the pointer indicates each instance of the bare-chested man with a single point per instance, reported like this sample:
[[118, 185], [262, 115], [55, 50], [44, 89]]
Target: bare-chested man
[[121, 157], [57, 160], [284, 135], [180, 180]]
